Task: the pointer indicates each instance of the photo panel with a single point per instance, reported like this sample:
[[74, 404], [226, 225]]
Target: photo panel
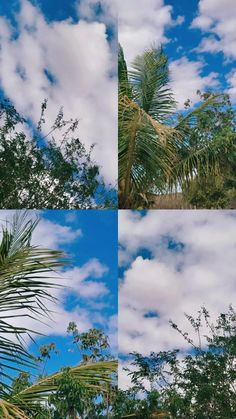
[[58, 313], [177, 104], [58, 130], [176, 312], [128, 107]]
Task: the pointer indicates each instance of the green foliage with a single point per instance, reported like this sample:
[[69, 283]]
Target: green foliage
[[217, 126], [82, 390], [145, 103], [207, 193], [47, 171], [86, 391], [94, 343], [21, 382], [70, 398], [128, 403]]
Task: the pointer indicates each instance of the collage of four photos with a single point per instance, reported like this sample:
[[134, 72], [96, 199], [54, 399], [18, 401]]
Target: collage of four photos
[[117, 209]]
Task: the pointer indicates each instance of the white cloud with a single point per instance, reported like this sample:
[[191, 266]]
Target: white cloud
[[231, 79], [52, 235], [142, 23], [199, 271], [79, 58], [219, 19], [87, 9], [71, 217], [47, 234], [82, 283], [186, 78], [180, 20], [79, 280]]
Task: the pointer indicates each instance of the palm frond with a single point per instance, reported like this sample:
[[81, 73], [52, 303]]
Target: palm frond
[[190, 117], [145, 142], [125, 88], [149, 77], [202, 159], [155, 153], [9, 410], [27, 275], [93, 377], [146, 148]]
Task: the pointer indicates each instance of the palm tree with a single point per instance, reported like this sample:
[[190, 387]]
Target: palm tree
[[154, 153], [27, 276]]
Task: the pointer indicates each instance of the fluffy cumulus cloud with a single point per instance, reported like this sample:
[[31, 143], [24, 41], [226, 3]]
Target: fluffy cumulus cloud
[[186, 78], [77, 280], [70, 64], [141, 24], [84, 284], [172, 263], [218, 19]]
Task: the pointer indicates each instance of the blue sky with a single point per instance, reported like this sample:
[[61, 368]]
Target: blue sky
[[90, 294], [98, 241], [171, 263]]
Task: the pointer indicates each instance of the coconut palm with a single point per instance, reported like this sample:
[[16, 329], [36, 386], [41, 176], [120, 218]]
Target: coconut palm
[[27, 276], [154, 153]]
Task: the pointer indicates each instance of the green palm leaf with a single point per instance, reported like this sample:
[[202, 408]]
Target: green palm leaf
[[93, 377], [25, 285], [149, 77], [201, 160]]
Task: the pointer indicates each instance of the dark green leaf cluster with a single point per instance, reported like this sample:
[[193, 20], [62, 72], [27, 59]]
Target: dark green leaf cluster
[[93, 344], [215, 128], [129, 404]]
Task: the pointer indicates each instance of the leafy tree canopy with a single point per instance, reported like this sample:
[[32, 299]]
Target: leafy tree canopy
[[216, 126], [47, 171]]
